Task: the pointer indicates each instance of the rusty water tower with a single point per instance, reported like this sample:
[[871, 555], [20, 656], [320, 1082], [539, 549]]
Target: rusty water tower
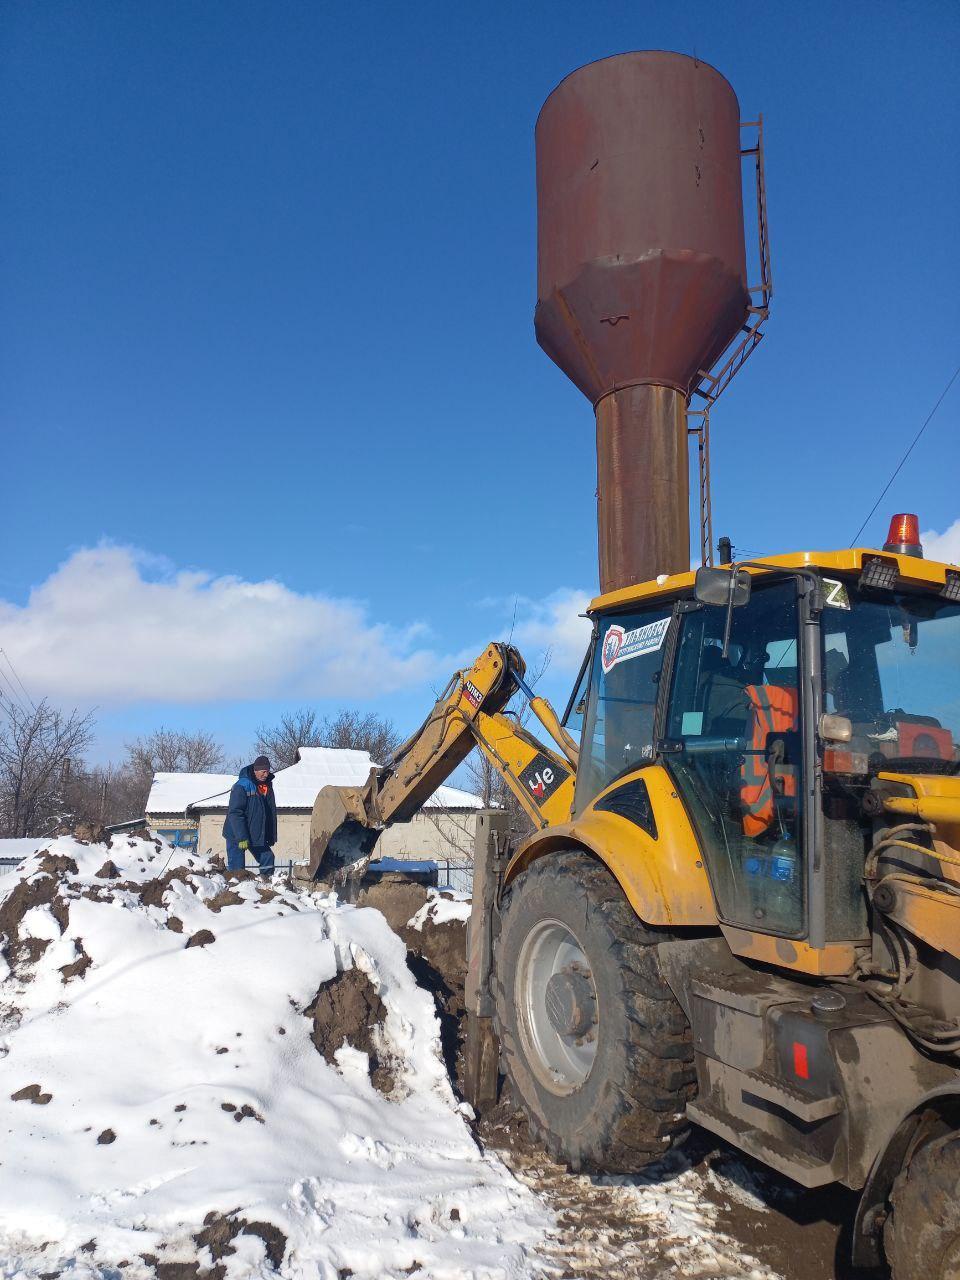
[[642, 282]]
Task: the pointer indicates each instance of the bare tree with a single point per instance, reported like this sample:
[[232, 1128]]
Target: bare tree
[[167, 751], [40, 747], [282, 741], [104, 794], [355, 731], [174, 751], [348, 729]]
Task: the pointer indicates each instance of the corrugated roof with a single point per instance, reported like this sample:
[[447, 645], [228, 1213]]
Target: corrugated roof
[[295, 787]]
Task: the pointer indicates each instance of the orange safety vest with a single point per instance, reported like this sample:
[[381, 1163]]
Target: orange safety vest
[[774, 711]]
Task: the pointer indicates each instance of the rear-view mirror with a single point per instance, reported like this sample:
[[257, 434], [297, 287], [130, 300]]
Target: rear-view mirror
[[727, 587]]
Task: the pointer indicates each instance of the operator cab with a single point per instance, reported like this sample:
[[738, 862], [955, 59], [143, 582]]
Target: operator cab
[[775, 717]]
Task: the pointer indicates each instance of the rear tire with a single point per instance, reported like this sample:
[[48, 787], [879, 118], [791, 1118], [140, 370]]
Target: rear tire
[[921, 1236], [596, 1047]]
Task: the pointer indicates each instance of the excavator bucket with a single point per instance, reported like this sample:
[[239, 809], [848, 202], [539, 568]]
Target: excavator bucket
[[341, 835]]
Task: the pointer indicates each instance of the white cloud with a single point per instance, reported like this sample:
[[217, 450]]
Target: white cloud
[[943, 546], [115, 625], [554, 623]]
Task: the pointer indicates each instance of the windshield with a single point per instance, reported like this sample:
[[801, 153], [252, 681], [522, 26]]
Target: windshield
[[625, 675], [891, 665]]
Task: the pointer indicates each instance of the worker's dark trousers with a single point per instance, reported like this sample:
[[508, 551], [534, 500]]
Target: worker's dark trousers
[[263, 854]]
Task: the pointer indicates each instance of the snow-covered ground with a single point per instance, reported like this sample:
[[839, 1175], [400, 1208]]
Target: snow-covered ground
[[442, 908], [162, 1101]]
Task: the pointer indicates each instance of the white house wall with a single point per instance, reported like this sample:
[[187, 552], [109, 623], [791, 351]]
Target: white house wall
[[443, 836]]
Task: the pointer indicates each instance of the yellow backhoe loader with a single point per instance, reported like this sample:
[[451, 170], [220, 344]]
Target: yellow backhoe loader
[[740, 905]]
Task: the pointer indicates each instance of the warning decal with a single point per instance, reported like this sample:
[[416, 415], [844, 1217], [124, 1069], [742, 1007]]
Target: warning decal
[[620, 646]]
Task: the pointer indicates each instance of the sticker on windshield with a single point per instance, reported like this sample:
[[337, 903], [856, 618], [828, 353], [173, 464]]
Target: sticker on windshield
[[835, 594], [620, 646]]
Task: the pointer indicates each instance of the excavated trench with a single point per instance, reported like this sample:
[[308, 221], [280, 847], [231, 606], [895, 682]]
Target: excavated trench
[[704, 1212]]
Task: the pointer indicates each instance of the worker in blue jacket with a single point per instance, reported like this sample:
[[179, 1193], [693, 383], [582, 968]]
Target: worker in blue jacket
[[251, 821]]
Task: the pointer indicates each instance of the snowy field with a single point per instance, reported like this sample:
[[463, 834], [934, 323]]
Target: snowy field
[[163, 1100]]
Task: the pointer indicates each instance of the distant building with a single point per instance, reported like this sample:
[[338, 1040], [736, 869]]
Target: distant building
[[188, 809]]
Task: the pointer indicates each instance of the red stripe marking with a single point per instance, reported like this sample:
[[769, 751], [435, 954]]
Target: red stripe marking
[[801, 1067]]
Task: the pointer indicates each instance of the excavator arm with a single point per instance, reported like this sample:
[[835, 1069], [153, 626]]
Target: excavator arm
[[347, 821]]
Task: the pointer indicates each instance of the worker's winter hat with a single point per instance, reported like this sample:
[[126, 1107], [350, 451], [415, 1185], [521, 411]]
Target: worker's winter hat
[[261, 762]]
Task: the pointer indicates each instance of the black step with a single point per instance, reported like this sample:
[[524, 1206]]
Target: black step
[[795, 1163]]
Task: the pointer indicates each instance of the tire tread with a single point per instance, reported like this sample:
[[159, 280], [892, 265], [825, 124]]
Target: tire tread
[[644, 1111]]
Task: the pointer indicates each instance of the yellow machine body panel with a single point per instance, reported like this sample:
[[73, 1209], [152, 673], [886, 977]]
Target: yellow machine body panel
[[928, 913], [663, 877], [540, 778], [936, 799]]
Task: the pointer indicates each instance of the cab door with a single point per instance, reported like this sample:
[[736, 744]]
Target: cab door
[[733, 745]]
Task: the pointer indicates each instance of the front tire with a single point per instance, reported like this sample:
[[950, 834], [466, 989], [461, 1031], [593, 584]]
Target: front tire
[[594, 1043], [921, 1236]]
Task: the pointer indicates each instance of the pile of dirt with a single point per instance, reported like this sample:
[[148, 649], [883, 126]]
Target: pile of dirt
[[436, 956], [396, 897], [50, 887], [135, 903], [21, 950], [347, 1011]]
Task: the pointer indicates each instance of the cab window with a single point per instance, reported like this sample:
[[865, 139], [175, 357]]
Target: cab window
[[577, 705], [889, 666], [624, 682]]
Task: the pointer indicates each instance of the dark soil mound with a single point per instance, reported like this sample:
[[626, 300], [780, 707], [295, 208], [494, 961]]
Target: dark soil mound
[[218, 1233], [347, 1010], [38, 891], [437, 958], [152, 891], [225, 898], [396, 897]]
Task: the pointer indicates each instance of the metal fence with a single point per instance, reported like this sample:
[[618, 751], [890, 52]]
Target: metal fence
[[455, 875], [450, 874]]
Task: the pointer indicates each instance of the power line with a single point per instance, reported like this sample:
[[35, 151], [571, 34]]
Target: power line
[[10, 700], [12, 697], [18, 680], [929, 416]]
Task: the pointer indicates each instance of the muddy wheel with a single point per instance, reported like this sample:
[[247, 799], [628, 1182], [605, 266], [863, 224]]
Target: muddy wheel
[[594, 1043], [922, 1235]]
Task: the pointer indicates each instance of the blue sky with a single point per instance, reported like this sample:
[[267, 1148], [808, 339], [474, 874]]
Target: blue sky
[[267, 277]]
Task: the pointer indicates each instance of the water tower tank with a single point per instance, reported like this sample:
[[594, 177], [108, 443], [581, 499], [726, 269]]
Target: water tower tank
[[641, 278]]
